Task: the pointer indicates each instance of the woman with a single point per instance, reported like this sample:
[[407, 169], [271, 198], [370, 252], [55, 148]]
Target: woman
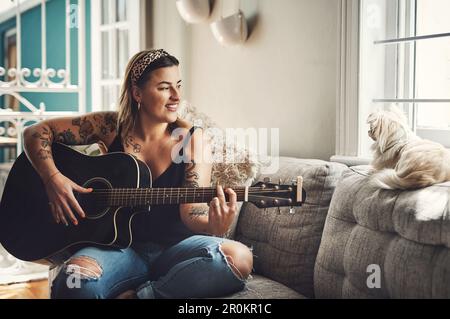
[[176, 252]]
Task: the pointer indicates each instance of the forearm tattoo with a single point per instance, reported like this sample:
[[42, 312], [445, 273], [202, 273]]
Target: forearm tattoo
[[129, 141], [191, 176], [45, 138], [198, 211]]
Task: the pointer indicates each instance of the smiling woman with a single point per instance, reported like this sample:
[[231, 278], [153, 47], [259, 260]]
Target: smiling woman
[[173, 247]]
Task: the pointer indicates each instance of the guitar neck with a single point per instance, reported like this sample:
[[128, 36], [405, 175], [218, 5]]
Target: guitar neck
[[161, 196]]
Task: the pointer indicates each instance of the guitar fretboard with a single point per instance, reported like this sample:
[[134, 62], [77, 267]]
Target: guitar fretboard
[[160, 196]]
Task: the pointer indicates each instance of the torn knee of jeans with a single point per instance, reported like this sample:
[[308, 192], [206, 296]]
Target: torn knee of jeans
[[85, 267], [243, 273], [233, 267]]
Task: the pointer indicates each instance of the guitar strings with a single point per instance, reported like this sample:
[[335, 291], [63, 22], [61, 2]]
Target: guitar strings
[[177, 194], [115, 197], [181, 190]]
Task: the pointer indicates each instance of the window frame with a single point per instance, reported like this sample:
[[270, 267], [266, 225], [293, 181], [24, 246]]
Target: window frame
[[406, 12], [347, 149], [350, 118], [135, 24]]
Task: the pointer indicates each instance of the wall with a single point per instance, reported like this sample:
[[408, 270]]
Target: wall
[[285, 75]]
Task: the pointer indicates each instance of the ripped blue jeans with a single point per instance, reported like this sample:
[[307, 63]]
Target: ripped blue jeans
[[193, 268]]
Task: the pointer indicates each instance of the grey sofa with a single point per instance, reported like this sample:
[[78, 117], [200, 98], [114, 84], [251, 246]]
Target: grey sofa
[[349, 240]]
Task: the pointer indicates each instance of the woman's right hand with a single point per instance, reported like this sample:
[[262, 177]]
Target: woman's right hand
[[61, 198]]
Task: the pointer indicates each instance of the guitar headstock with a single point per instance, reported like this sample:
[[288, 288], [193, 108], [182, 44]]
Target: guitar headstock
[[266, 194]]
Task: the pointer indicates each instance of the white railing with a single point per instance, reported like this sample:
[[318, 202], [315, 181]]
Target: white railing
[[47, 80]]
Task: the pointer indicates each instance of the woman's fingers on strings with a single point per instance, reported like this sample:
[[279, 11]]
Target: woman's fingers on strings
[[68, 212], [54, 214], [221, 198], [232, 197], [61, 215], [74, 203], [80, 189], [216, 206], [213, 211]]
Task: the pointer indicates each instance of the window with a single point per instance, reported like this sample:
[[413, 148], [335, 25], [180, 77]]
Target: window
[[115, 38], [10, 54], [404, 48]]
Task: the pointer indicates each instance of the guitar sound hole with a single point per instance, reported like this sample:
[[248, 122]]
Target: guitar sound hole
[[95, 204]]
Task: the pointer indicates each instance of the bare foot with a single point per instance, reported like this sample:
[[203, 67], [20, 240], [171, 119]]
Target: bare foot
[[129, 294]]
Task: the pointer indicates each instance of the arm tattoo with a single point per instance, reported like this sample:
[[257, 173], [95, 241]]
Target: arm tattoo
[[191, 180], [191, 176], [197, 211], [129, 141], [108, 123], [45, 141], [66, 137], [87, 132]]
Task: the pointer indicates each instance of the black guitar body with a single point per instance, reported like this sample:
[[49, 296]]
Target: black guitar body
[[27, 228]]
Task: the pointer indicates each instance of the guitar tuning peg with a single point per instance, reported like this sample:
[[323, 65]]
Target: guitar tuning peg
[[279, 210], [291, 210], [294, 181], [279, 181]]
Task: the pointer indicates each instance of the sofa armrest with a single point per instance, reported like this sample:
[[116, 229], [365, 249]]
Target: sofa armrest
[[384, 243]]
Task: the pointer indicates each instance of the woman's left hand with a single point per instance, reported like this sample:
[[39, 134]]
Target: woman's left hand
[[221, 214]]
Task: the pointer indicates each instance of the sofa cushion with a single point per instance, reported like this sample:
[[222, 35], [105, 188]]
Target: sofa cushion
[[402, 236], [259, 287], [285, 245]]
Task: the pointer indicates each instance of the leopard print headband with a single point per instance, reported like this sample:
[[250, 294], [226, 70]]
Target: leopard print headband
[[141, 64]]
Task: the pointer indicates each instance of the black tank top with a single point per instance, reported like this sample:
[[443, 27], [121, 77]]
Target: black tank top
[[162, 225]]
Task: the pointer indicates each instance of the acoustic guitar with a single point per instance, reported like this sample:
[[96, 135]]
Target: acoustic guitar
[[122, 187]]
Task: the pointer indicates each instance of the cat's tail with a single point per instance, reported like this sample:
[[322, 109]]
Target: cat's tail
[[389, 179]]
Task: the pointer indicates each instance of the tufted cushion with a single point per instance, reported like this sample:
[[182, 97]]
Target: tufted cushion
[[405, 233], [285, 245]]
